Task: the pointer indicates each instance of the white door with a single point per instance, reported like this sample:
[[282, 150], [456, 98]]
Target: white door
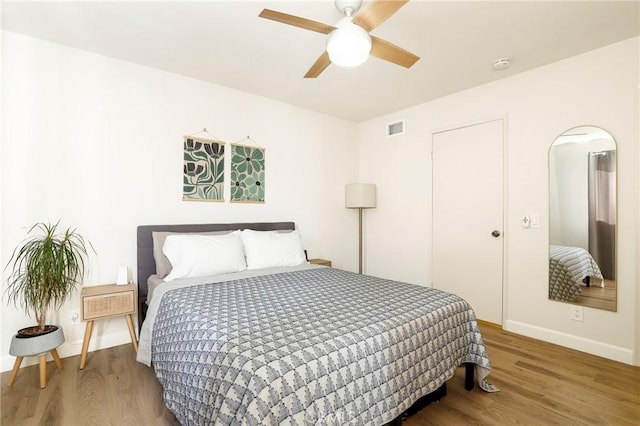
[[468, 215]]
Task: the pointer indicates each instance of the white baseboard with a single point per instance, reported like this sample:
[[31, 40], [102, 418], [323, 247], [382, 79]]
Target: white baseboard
[[69, 349], [592, 347]]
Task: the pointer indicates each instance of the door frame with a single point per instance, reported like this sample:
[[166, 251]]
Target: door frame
[[505, 198]]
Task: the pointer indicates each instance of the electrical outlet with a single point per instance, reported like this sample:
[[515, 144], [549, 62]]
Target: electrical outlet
[[577, 313], [75, 316]]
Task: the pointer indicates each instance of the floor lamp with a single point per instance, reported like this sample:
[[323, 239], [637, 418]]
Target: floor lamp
[[360, 196]]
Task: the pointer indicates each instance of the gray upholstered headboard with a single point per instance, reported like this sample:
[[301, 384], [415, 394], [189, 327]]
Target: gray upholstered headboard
[[147, 264]]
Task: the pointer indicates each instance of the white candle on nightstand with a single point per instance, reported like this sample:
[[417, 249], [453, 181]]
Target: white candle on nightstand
[[123, 276]]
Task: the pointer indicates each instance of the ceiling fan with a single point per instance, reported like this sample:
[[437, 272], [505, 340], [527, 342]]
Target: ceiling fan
[[349, 42]]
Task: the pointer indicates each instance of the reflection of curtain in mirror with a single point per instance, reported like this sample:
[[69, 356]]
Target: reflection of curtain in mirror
[[602, 210]]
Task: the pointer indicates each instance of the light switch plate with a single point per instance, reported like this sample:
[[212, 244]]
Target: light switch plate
[[525, 221], [535, 220]]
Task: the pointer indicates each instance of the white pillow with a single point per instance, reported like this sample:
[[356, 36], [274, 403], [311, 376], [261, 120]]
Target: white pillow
[[202, 255], [163, 266], [267, 249]]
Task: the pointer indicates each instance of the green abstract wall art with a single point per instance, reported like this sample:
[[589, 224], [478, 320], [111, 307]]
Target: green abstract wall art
[[247, 174], [203, 169]]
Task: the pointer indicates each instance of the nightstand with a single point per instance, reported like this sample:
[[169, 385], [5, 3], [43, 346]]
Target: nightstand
[[106, 301], [322, 262]]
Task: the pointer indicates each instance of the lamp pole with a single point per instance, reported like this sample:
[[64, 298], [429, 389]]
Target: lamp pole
[[360, 196], [360, 237]]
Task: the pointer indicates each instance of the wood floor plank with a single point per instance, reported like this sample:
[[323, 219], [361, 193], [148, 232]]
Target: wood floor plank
[[540, 384]]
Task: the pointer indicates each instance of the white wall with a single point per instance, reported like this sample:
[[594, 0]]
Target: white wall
[[569, 192], [98, 142], [568, 196], [636, 234], [1, 174], [597, 88]]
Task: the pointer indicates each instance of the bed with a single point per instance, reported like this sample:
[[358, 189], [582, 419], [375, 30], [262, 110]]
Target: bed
[[569, 269], [300, 344]]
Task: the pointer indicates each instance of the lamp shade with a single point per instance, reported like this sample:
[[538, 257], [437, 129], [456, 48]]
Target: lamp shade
[[348, 45], [360, 195]]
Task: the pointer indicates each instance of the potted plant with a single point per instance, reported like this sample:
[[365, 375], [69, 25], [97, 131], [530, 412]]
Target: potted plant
[[45, 269]]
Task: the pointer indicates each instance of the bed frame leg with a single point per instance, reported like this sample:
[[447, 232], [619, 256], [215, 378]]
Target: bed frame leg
[[468, 376]]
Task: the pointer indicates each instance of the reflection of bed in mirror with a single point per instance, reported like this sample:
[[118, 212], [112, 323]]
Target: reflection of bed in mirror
[[570, 268]]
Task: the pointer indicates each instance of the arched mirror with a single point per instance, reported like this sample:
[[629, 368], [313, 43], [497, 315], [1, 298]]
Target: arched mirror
[[582, 218]]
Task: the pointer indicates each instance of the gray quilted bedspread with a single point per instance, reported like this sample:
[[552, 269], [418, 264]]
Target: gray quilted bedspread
[[317, 346], [568, 266]]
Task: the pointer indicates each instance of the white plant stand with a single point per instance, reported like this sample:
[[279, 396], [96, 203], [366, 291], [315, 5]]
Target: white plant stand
[[36, 346]]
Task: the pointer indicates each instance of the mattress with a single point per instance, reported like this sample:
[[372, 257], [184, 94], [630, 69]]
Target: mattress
[[309, 344]]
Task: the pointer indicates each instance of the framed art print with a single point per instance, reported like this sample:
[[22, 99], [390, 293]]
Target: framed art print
[[247, 174], [203, 169]]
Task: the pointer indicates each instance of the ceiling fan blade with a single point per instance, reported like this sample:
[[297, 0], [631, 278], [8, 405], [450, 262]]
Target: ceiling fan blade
[[320, 65], [376, 12], [390, 52], [296, 21]]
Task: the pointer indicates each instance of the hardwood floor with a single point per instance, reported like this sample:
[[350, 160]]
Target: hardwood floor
[[113, 389], [540, 383], [598, 297]]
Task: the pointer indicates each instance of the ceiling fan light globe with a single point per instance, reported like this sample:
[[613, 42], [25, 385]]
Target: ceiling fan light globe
[[349, 45]]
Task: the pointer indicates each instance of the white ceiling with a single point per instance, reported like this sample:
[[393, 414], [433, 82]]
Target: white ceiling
[[225, 42]]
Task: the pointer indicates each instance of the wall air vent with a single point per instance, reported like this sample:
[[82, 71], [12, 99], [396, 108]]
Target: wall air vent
[[394, 129]]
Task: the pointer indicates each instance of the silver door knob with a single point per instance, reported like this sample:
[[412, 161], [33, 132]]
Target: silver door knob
[[495, 233]]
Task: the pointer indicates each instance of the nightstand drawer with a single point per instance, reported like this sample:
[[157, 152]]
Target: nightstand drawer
[[105, 305]]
